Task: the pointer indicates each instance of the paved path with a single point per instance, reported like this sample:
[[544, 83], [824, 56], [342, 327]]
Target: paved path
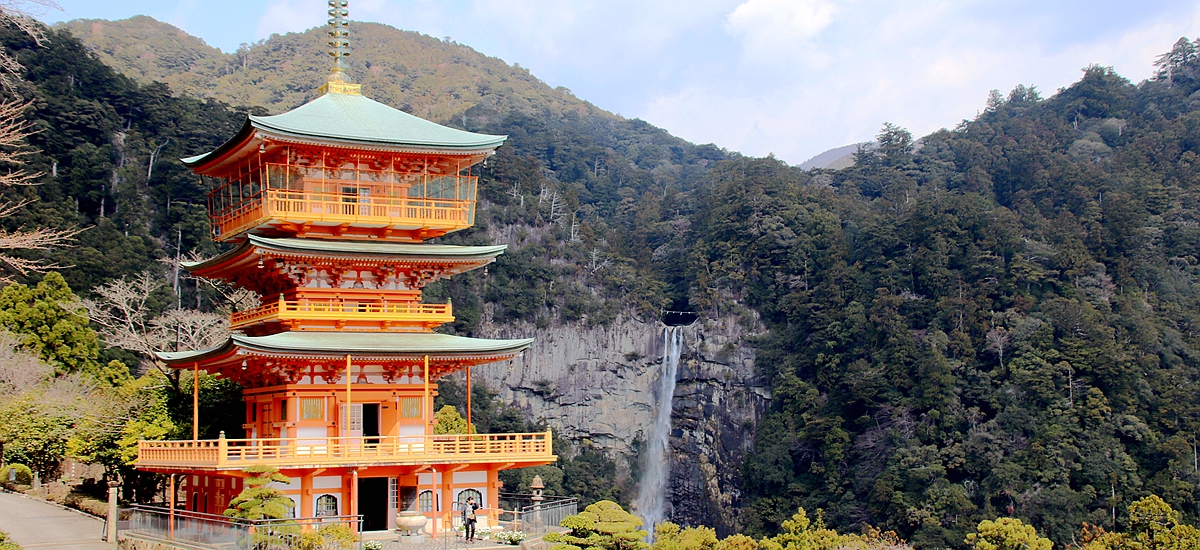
[[443, 543], [35, 524]]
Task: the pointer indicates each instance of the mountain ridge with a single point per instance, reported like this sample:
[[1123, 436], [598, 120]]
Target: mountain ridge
[[833, 159], [426, 76]]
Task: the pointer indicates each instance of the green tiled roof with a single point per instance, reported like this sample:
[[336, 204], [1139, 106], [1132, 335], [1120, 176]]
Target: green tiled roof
[[356, 120], [371, 344], [356, 248], [380, 248]]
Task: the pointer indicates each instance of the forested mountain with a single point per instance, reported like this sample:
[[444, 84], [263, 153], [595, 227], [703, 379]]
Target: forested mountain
[[1001, 321]]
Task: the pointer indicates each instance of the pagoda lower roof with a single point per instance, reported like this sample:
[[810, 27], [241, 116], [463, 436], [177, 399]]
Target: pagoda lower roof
[[254, 248], [362, 346]]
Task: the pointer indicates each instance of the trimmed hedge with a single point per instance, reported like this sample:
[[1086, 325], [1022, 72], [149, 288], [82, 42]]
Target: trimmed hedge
[[24, 476], [87, 504]]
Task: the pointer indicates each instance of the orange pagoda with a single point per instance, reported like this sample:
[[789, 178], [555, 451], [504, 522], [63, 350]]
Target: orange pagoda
[[329, 206]]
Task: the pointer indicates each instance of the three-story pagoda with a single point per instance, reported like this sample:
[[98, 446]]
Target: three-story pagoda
[[328, 206]]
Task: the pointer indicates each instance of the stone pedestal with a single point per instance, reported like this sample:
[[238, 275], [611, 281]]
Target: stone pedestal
[[110, 531]]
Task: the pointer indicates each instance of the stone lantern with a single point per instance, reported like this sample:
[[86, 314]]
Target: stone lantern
[[536, 485]]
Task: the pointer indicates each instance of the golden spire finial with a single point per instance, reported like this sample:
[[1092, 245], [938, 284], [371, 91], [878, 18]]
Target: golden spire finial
[[339, 48]]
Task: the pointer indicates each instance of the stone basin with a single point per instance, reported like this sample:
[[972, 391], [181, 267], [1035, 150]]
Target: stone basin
[[410, 522]]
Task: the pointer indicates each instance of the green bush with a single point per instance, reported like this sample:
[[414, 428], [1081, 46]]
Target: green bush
[[669, 536], [7, 543], [24, 476], [87, 504], [601, 526], [327, 537]]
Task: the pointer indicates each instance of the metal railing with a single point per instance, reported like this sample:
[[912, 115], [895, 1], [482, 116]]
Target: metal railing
[[331, 309], [200, 530], [332, 451], [533, 517]]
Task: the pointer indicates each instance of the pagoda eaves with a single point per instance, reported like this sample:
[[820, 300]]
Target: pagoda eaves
[[318, 284], [256, 250], [289, 357]]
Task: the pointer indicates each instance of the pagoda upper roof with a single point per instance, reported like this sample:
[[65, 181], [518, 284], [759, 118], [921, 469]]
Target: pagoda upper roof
[[254, 247], [362, 346], [355, 121]]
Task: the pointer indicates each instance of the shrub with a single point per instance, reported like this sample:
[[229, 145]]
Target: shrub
[[737, 542], [802, 533], [7, 543], [1006, 534], [669, 536], [87, 504], [604, 526], [1153, 524], [289, 534], [329, 537], [24, 476]]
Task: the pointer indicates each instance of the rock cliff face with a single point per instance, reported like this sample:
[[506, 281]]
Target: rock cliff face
[[598, 384]]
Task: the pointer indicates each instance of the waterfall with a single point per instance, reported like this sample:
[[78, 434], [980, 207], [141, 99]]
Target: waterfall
[[657, 464]]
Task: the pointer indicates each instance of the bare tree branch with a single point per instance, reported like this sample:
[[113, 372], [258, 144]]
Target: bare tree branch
[[14, 129], [125, 322], [19, 13]]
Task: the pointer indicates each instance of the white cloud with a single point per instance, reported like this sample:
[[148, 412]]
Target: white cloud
[[767, 19], [284, 16], [782, 30], [955, 70], [812, 75]]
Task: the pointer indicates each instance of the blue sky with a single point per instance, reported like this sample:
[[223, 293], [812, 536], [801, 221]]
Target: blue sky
[[792, 77]]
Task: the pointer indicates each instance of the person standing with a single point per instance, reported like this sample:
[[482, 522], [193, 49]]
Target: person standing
[[468, 519]]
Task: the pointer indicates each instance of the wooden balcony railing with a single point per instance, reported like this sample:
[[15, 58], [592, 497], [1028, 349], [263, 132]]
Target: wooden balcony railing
[[343, 311], [227, 454], [341, 209]]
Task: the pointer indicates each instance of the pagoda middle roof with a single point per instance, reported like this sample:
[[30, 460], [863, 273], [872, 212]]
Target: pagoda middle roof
[[352, 120], [361, 345], [254, 246]]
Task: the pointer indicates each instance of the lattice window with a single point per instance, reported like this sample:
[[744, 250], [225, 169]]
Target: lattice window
[[410, 407], [327, 506], [312, 408], [353, 425], [472, 494], [393, 493], [425, 501]]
